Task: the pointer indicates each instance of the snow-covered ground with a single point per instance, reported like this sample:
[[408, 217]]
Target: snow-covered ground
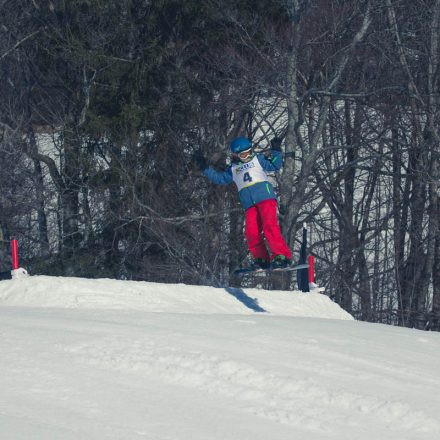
[[102, 359]]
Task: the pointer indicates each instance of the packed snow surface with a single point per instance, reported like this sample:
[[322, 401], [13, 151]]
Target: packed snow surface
[[82, 293], [102, 359]]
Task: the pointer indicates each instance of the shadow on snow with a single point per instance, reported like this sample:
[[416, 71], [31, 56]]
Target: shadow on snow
[[251, 303]]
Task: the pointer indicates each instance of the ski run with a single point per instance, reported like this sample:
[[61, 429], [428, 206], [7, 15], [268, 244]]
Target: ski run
[[105, 359]]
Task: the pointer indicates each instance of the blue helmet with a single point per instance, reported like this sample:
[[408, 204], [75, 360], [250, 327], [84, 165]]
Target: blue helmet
[[240, 144]]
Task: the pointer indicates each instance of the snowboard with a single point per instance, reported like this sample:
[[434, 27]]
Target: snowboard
[[249, 270]]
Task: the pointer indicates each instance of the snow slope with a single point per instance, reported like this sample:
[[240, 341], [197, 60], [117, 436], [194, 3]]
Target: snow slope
[[43, 291], [101, 359]]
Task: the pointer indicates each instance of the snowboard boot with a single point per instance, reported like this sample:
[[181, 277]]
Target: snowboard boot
[[280, 262], [260, 263]]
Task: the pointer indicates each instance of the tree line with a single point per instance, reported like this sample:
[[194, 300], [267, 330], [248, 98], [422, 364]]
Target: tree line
[[104, 104]]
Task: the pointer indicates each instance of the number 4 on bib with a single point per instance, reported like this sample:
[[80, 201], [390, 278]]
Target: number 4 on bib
[[247, 177]]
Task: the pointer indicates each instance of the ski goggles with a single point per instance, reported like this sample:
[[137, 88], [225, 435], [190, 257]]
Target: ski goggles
[[246, 154]]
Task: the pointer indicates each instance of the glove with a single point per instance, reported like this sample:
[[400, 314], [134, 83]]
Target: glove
[[275, 144], [200, 161], [235, 159]]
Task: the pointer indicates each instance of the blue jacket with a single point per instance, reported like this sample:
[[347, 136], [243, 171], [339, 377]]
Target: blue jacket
[[253, 193]]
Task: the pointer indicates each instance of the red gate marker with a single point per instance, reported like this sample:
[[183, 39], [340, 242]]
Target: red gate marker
[[14, 250]]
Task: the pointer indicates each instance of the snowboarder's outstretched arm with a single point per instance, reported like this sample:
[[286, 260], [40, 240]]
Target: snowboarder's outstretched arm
[[276, 161], [272, 164], [218, 177]]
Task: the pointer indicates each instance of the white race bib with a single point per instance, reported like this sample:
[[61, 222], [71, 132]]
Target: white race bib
[[247, 174]]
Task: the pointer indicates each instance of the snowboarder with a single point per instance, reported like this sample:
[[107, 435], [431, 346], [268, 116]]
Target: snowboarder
[[248, 172]]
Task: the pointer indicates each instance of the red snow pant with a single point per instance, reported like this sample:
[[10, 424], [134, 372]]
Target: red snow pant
[[262, 218]]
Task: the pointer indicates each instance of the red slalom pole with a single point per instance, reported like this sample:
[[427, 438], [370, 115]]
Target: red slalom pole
[[311, 261], [14, 250]]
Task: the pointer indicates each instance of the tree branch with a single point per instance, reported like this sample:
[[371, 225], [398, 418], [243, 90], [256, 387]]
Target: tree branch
[[19, 43]]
